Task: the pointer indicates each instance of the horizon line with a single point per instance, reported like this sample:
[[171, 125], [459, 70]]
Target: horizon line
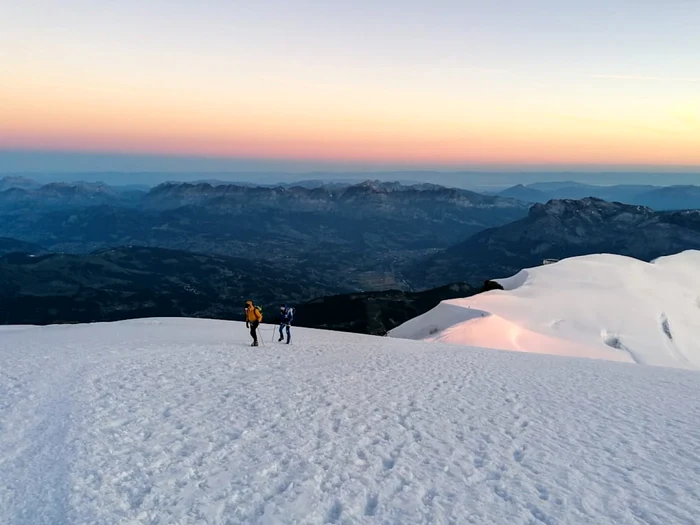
[[217, 164]]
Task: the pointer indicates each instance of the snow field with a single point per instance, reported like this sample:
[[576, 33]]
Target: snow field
[[598, 306], [179, 421]]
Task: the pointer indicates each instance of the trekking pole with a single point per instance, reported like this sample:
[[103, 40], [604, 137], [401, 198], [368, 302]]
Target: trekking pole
[[273, 334], [262, 339]]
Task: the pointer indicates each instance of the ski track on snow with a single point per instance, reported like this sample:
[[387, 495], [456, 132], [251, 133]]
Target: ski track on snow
[[179, 422]]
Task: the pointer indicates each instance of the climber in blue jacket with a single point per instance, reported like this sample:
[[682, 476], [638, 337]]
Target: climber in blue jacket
[[286, 318]]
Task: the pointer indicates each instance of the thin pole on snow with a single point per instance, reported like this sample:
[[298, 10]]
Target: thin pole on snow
[[262, 339]]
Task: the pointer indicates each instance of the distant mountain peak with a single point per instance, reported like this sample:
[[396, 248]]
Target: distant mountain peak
[[77, 187], [587, 206], [565, 228], [11, 182]]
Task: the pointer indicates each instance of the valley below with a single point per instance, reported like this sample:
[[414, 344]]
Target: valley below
[[361, 257]]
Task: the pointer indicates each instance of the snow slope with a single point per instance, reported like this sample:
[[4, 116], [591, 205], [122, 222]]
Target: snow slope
[[598, 306], [164, 421]]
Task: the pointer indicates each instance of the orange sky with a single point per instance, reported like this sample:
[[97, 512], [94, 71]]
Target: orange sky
[[128, 92]]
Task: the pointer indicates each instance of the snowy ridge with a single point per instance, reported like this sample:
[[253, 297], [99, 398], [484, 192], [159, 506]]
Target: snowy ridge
[[598, 306], [179, 421]]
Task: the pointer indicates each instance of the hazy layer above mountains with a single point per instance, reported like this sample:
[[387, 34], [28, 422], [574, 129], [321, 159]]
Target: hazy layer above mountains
[[678, 197], [487, 179], [658, 191]]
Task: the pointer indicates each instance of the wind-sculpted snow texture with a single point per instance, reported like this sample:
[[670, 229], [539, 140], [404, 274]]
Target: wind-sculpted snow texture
[[598, 306], [164, 421]]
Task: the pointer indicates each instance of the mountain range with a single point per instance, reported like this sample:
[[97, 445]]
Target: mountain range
[[352, 238], [560, 229], [359, 257], [684, 197]]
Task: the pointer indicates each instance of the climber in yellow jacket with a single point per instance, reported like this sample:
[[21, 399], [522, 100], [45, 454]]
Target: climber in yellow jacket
[[253, 317]]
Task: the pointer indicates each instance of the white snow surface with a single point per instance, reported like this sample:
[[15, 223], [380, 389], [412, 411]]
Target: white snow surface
[[597, 306], [179, 421]]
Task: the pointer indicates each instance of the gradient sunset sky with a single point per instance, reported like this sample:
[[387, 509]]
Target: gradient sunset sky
[[601, 83]]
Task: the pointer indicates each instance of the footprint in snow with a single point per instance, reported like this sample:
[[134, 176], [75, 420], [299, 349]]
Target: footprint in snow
[[372, 504], [519, 454], [389, 463], [335, 512]]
